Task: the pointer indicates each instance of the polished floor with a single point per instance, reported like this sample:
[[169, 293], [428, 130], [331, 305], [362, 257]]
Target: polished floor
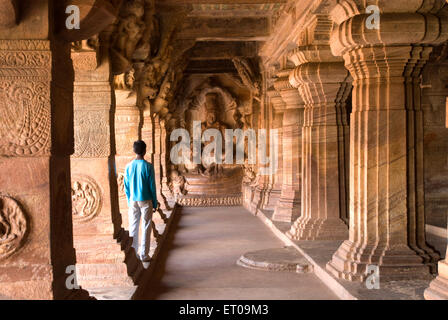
[[199, 261]]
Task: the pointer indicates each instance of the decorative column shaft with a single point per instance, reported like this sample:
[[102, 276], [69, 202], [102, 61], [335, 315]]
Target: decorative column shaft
[[127, 131], [324, 84], [386, 169], [36, 139], [94, 184], [288, 207], [276, 180]]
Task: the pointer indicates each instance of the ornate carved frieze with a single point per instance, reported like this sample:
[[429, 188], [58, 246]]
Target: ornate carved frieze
[[92, 134], [86, 198], [25, 116], [211, 201], [13, 226]]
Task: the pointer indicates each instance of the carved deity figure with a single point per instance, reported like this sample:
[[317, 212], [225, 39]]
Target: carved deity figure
[[84, 199], [249, 174], [177, 184], [129, 33], [5, 228], [212, 122]]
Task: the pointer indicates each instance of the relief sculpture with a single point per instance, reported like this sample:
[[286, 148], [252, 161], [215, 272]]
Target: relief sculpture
[[13, 226], [86, 198]]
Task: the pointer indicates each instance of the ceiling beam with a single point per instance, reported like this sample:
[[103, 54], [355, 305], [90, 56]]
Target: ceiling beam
[[189, 2], [210, 67], [213, 50], [225, 29]]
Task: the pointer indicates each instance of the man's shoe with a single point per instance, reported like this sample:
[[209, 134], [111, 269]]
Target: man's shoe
[[145, 259]]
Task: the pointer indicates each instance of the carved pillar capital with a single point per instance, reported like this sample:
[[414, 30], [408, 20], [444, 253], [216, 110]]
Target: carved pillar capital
[[289, 93], [324, 85], [414, 28]]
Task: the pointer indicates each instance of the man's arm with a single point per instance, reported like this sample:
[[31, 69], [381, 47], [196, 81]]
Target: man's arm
[[126, 184], [152, 184]]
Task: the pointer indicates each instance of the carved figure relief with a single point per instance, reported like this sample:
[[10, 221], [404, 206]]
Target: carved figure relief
[[86, 198], [13, 226], [120, 182], [177, 184], [92, 134], [249, 174], [25, 70]]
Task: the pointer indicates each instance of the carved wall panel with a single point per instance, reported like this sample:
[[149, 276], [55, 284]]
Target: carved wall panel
[[86, 198], [92, 137], [13, 226], [211, 201], [25, 70]]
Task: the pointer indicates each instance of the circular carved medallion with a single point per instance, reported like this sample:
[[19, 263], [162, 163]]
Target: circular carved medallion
[[86, 198], [13, 226]]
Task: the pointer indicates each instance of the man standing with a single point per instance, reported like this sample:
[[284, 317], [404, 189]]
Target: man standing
[[140, 188]]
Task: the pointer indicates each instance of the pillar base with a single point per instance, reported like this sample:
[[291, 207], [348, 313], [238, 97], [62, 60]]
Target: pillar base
[[286, 211], [257, 198], [306, 228], [438, 289], [351, 260], [272, 197]]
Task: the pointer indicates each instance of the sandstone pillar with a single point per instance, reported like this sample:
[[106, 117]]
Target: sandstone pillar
[[386, 171], [324, 84], [288, 207], [94, 185], [127, 125], [152, 134], [276, 180], [36, 140]]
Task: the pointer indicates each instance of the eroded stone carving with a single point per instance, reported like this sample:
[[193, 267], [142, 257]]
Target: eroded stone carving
[[13, 226], [25, 68], [25, 108], [177, 184], [211, 201], [249, 174], [91, 134], [135, 33], [9, 13], [86, 198]]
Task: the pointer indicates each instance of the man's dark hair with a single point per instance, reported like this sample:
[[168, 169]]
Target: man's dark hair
[[140, 147]]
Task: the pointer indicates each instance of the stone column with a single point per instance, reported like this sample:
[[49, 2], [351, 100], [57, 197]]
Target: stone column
[[127, 125], [324, 84], [434, 93], [438, 289], [276, 180], [387, 227], [94, 183], [36, 140], [288, 207]]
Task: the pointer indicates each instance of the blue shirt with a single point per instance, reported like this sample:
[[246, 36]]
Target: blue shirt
[[139, 182]]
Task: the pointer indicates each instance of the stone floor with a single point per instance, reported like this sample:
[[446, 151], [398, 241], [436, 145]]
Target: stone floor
[[199, 261], [319, 253]]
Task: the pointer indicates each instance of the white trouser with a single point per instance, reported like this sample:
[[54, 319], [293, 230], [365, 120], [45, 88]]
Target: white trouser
[[138, 209]]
